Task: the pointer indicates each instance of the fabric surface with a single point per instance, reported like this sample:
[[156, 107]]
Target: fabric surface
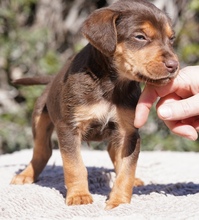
[[171, 189]]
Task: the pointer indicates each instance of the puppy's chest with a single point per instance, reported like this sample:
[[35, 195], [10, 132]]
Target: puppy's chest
[[96, 121]]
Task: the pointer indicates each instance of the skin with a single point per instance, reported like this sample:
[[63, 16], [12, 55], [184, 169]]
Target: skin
[[178, 104]]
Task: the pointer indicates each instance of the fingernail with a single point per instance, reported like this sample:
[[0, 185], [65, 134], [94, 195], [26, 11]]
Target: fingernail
[[165, 112]]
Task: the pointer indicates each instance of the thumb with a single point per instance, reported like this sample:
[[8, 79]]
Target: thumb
[[179, 109]]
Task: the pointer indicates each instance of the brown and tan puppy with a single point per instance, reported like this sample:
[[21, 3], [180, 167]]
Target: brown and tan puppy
[[93, 98]]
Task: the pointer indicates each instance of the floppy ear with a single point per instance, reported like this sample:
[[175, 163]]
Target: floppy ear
[[100, 30]]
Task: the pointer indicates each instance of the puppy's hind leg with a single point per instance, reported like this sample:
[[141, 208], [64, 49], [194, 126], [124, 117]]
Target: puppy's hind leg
[[113, 153], [42, 128]]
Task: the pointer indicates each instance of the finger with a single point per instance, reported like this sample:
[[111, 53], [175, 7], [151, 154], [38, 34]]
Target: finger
[[193, 121], [181, 129], [168, 99], [146, 100], [179, 110], [148, 97], [196, 125]]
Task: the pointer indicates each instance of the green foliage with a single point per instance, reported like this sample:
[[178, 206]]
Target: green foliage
[[15, 128], [187, 39], [31, 93], [190, 53], [29, 49], [23, 45], [14, 137], [50, 63], [194, 5]]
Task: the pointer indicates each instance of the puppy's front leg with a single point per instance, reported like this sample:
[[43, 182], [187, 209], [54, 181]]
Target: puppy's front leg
[[124, 159], [75, 173]]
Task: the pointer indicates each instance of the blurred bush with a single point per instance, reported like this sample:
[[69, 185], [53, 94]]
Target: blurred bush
[[38, 36]]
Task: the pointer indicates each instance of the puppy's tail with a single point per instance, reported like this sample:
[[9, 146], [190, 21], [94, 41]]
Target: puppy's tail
[[30, 81]]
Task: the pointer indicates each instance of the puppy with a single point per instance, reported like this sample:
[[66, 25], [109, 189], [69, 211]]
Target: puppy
[[93, 98]]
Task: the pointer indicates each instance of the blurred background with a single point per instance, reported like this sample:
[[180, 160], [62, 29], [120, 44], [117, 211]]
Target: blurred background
[[38, 36]]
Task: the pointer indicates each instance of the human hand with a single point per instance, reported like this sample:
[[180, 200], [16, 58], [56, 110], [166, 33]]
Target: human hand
[[178, 106]]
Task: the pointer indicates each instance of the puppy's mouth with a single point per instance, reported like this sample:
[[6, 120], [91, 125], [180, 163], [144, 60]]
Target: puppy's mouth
[[160, 81]]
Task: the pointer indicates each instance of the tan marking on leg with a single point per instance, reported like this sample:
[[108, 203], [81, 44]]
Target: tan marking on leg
[[124, 155], [42, 129], [75, 173]]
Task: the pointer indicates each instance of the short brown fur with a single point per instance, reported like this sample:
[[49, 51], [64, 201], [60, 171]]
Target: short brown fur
[[93, 98]]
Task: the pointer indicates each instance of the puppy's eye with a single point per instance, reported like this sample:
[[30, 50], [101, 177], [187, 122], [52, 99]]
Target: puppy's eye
[[172, 39], [140, 37]]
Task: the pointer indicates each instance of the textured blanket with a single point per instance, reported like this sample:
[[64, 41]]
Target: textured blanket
[[171, 188]]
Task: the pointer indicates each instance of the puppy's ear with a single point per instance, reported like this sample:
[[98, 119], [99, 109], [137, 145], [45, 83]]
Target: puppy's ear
[[100, 30]]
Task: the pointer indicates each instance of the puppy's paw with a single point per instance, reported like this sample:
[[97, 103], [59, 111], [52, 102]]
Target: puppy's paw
[[79, 199], [110, 204], [22, 179], [116, 199]]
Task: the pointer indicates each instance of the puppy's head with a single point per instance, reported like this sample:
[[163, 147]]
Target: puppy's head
[[138, 37]]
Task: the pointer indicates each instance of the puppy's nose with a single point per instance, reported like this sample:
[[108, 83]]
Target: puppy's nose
[[171, 65]]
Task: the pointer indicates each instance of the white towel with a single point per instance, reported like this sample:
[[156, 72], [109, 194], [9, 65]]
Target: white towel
[[171, 188]]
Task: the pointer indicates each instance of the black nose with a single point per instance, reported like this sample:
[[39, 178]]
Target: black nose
[[171, 65]]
